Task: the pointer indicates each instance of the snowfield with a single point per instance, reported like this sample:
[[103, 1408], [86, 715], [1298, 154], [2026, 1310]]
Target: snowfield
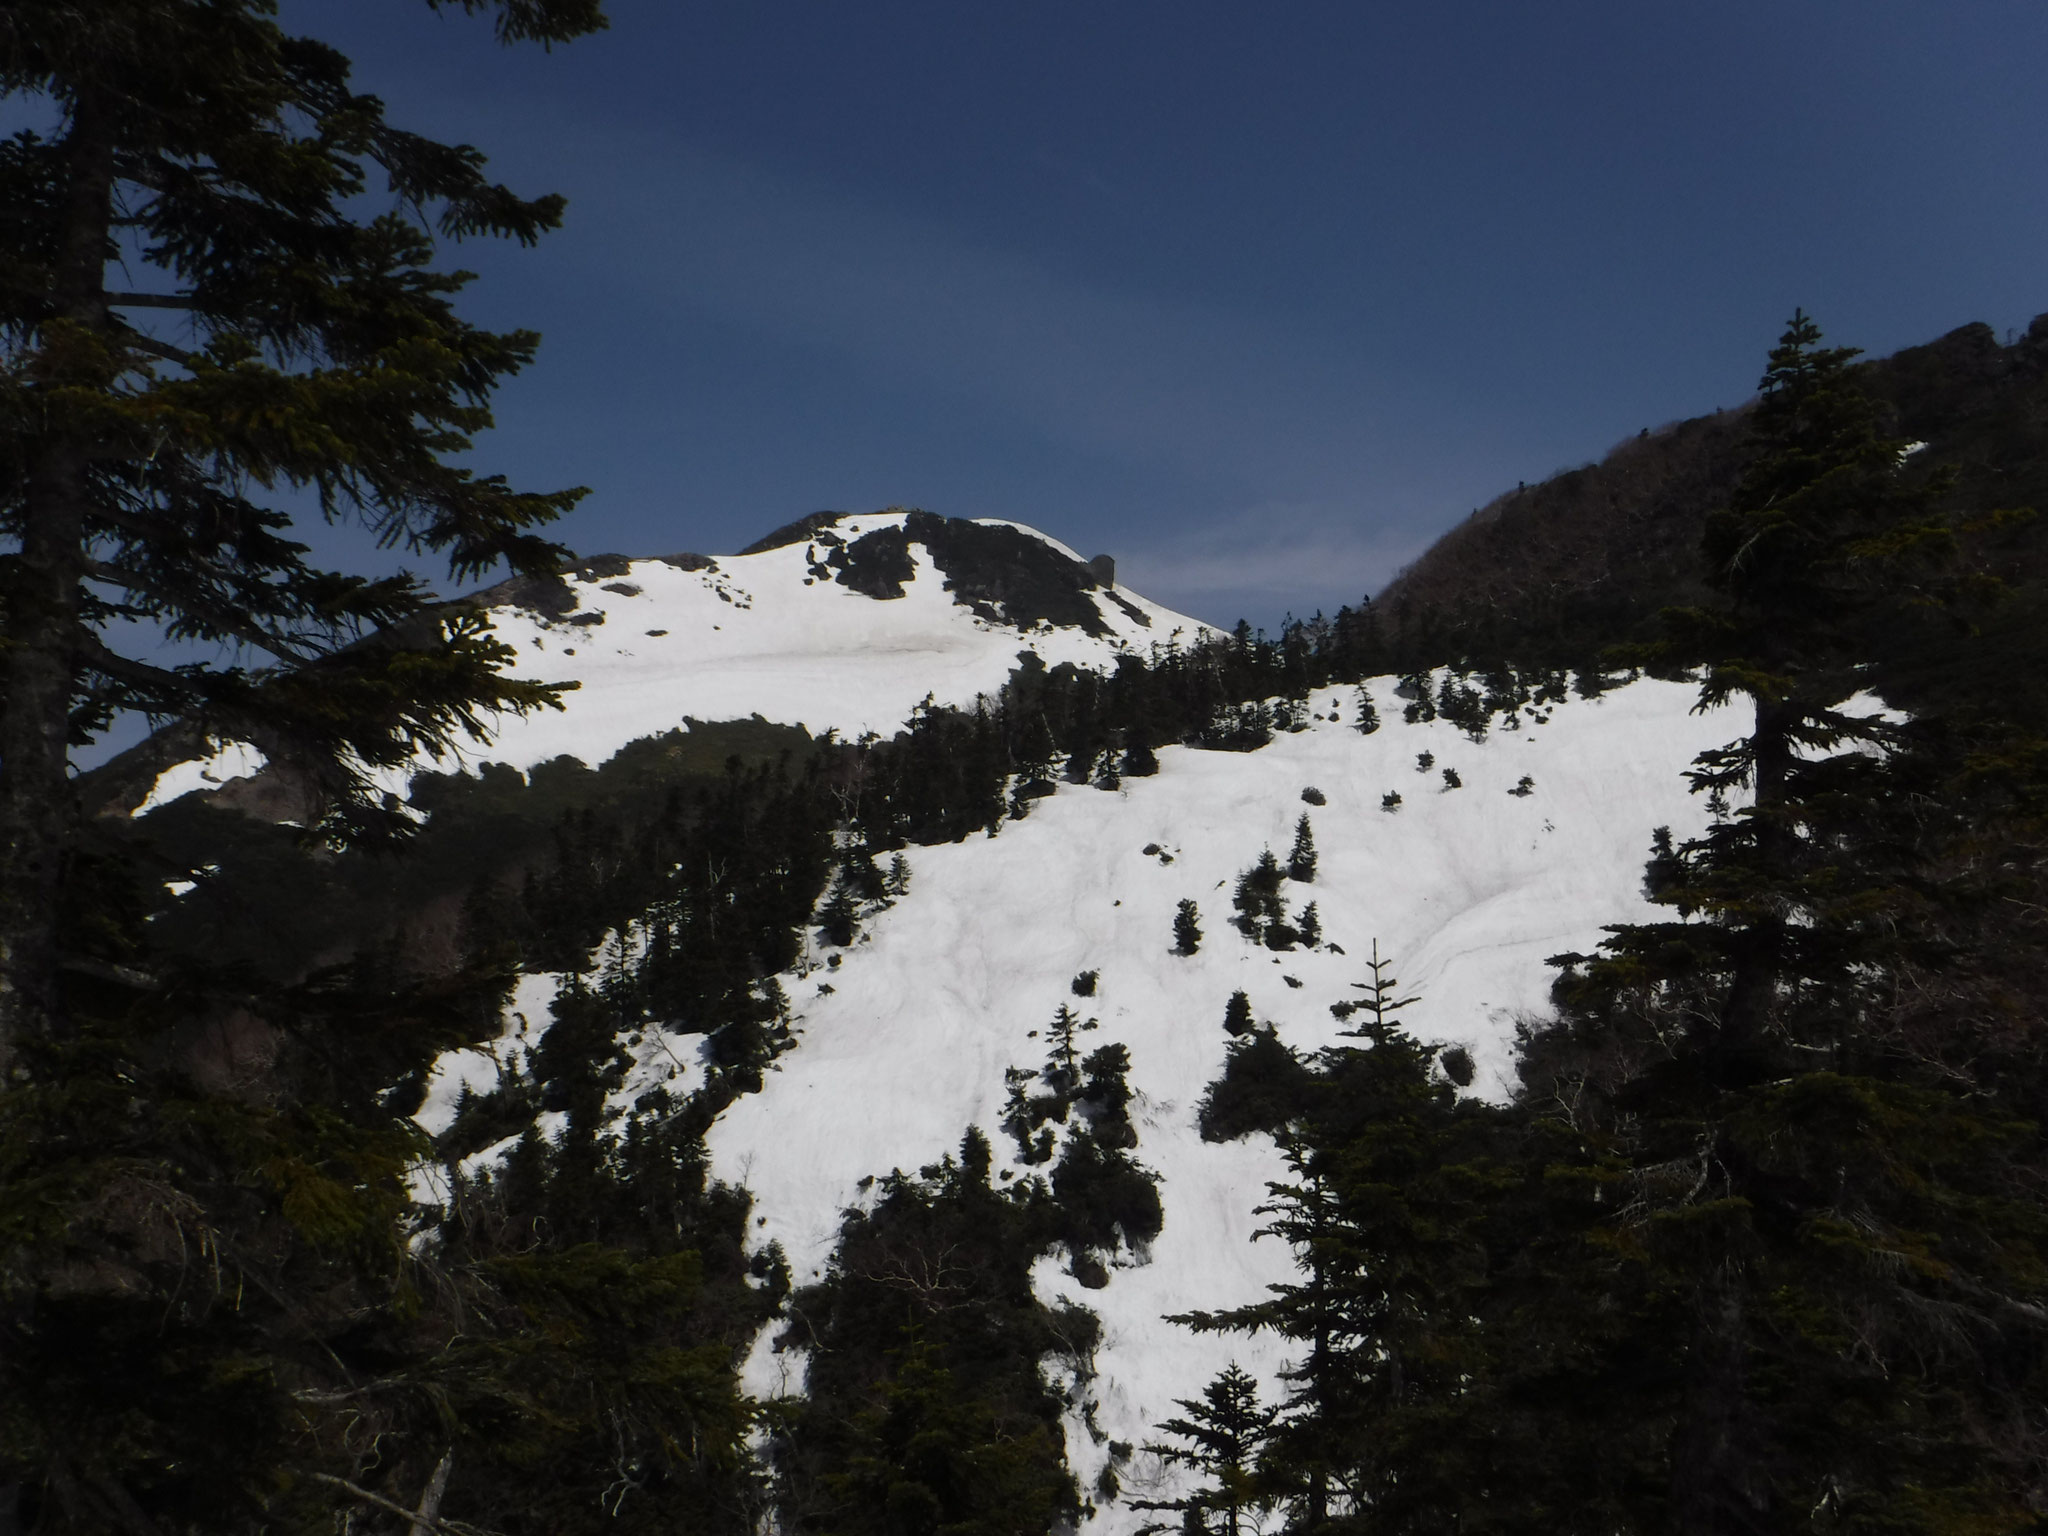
[[1468, 890], [904, 1043]]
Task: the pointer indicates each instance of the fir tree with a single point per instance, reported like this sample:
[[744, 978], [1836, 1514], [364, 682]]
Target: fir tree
[[1237, 1014], [1754, 1036], [1257, 898], [1220, 1439], [1308, 1438], [1062, 1073], [1187, 930], [1368, 719], [1421, 708], [1106, 1095], [859, 875], [1463, 706], [1309, 924], [839, 917], [1104, 1195], [1301, 859], [150, 470]]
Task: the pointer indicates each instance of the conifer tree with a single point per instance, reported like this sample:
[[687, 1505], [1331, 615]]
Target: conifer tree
[[1368, 719], [839, 917], [1309, 924], [1187, 929], [1301, 859], [1421, 707], [1750, 1035], [1219, 1438], [1821, 532], [1062, 1072], [1257, 897], [1105, 1092], [860, 876], [1237, 1014], [227, 167], [1308, 1439]]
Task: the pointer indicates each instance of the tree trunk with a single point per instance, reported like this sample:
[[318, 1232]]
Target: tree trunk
[[39, 609], [1717, 1485], [1758, 949]]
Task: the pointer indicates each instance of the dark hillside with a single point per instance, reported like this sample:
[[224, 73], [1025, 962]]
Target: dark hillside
[[1554, 572]]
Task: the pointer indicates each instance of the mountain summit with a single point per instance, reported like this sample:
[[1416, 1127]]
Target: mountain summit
[[838, 622]]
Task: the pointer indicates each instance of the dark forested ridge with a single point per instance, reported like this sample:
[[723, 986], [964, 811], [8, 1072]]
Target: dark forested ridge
[[1556, 570]]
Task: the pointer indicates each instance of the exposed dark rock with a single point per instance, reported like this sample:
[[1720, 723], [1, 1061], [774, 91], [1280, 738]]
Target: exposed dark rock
[[1136, 614], [876, 564], [1007, 575], [795, 533]]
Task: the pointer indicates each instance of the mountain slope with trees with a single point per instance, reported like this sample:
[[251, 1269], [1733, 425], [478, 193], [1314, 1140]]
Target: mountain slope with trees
[[817, 1117], [1555, 571]]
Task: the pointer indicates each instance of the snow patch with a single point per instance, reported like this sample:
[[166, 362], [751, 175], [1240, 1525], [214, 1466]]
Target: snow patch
[[232, 760]]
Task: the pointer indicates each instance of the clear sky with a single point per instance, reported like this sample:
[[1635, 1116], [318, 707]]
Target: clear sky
[[1257, 298]]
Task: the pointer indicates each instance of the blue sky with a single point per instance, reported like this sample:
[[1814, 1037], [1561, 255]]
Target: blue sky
[[1258, 299]]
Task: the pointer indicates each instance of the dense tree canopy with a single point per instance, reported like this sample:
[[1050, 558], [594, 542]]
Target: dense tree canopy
[[220, 314]]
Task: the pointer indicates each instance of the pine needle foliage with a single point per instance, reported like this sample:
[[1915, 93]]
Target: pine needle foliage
[[204, 336]]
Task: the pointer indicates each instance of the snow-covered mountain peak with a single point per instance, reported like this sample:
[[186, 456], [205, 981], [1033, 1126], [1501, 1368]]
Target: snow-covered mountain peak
[[837, 622]]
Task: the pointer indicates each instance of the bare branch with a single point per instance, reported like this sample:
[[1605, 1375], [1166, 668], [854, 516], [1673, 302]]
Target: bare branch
[[148, 301], [161, 349], [420, 1519]]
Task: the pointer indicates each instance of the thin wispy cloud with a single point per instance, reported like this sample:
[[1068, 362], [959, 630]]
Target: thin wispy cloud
[[1273, 558]]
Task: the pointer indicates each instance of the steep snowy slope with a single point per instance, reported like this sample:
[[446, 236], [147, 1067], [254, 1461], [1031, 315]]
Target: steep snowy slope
[[1468, 890], [840, 623], [904, 1041]]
